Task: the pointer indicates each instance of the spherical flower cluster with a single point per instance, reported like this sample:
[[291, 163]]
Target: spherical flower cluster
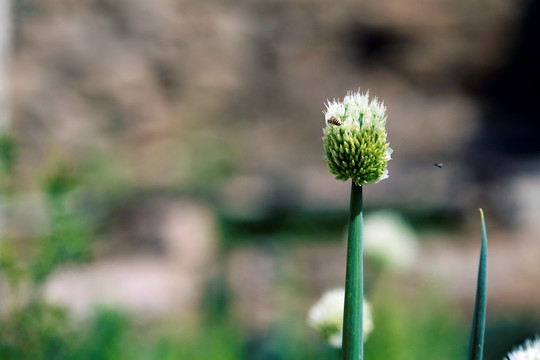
[[355, 139], [529, 351], [390, 240], [326, 316]]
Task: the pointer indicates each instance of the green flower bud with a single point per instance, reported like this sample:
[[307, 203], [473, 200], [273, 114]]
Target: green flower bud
[[355, 139]]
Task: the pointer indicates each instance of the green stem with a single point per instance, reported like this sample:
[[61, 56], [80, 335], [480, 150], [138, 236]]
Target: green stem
[[354, 290], [476, 344]]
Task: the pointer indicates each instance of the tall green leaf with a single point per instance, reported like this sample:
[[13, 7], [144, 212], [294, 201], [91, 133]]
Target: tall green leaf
[[476, 344]]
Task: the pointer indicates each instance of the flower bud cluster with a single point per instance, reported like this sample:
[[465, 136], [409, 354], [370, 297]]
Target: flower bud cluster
[[355, 139]]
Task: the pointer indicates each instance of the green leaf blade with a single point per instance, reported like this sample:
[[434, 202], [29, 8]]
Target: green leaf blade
[[476, 344]]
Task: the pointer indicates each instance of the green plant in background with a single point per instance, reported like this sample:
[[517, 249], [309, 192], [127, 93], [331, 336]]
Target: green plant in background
[[356, 148], [36, 331], [66, 239], [8, 154], [69, 238], [106, 336], [420, 324], [9, 263], [30, 328]]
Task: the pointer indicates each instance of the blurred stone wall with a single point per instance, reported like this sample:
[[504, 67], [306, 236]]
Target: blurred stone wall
[[182, 91]]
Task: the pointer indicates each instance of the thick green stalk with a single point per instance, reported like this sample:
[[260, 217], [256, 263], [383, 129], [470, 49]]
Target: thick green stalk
[[354, 283], [476, 344]]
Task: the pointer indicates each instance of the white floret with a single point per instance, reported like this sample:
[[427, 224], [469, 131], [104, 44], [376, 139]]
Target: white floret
[[528, 351]]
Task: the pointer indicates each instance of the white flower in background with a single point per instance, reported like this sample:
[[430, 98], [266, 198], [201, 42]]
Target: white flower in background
[[528, 351], [390, 240], [326, 316]]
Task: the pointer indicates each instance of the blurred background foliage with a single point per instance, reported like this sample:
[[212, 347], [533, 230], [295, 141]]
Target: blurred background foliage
[[163, 193]]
